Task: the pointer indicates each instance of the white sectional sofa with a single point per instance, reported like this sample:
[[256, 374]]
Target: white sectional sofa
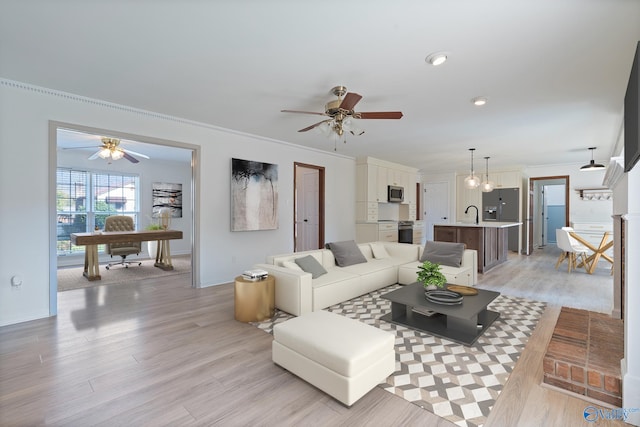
[[297, 293]]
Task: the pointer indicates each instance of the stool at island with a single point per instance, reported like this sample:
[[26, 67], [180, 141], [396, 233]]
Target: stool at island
[[343, 357], [255, 300]]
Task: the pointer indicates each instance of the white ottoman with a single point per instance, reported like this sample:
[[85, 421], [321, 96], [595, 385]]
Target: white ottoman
[[343, 357]]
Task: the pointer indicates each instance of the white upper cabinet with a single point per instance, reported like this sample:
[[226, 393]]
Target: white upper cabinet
[[373, 176], [383, 182], [366, 183], [508, 179], [410, 188]]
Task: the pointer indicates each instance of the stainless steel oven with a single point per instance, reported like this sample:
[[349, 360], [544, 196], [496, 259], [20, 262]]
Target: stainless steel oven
[[405, 231]]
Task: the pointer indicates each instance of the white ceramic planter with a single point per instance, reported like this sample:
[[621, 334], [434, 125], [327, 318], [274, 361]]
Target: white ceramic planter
[[152, 248]]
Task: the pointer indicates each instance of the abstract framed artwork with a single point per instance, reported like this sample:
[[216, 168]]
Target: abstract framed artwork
[[254, 195], [165, 195]]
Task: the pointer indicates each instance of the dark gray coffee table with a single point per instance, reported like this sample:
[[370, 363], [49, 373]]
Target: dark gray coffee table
[[462, 323]]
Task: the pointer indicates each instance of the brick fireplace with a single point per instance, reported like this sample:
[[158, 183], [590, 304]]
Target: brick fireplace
[[584, 355]]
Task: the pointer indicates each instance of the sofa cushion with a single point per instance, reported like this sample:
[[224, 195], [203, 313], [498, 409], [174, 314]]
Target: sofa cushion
[[372, 266], [346, 253], [336, 276], [379, 252], [445, 253], [311, 265], [292, 265]]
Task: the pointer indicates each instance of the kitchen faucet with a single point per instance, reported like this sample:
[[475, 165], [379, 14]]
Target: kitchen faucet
[[466, 211]]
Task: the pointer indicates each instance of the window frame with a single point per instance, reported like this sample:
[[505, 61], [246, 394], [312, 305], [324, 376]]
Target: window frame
[[92, 178]]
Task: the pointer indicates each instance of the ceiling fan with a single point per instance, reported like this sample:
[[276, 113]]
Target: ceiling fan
[[111, 150], [341, 112]]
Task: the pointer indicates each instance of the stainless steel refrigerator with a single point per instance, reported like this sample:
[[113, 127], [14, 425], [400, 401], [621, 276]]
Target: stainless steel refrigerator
[[503, 205]]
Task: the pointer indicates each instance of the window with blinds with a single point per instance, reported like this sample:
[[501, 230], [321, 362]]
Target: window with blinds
[[84, 199]]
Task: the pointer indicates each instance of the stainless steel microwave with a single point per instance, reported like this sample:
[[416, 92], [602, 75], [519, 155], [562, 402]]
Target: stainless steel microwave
[[395, 194]]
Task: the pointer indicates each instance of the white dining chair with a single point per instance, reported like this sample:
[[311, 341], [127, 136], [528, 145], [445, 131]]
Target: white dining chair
[[572, 250]]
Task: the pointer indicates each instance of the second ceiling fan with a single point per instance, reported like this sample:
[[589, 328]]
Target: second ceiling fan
[[341, 112]]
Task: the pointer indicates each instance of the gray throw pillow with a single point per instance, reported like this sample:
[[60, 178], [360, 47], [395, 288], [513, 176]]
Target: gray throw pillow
[[311, 265], [346, 253], [445, 253]]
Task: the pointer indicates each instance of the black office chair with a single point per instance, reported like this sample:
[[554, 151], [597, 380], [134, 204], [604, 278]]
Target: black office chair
[[121, 223]]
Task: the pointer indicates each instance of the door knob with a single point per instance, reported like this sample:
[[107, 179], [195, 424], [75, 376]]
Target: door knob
[[306, 220]]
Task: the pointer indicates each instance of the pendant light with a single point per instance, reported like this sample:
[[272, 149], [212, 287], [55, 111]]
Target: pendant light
[[472, 181], [487, 186], [592, 166]]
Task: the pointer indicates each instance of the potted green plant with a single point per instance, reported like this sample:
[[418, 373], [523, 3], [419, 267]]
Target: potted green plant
[[430, 276]]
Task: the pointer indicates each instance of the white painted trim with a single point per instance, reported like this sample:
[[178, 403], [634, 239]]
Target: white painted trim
[[82, 99]]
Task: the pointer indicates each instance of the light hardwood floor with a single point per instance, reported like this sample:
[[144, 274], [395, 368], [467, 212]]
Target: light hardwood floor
[[158, 352]]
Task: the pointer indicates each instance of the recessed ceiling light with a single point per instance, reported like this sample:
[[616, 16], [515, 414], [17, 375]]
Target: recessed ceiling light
[[479, 101], [436, 59]]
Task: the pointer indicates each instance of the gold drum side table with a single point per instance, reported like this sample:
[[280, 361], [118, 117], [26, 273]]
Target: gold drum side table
[[254, 300]]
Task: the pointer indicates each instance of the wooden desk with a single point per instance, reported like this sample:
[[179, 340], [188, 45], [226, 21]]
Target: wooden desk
[[92, 240], [592, 260]]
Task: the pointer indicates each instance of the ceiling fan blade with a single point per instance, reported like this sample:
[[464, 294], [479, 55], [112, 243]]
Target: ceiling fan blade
[[135, 153], [95, 155], [350, 100], [130, 157], [76, 148], [379, 115], [302, 112], [314, 125]]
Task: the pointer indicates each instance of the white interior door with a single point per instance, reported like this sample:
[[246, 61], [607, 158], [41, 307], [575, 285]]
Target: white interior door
[[308, 209], [436, 206]]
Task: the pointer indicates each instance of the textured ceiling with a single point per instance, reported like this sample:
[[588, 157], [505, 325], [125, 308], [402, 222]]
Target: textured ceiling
[[555, 72]]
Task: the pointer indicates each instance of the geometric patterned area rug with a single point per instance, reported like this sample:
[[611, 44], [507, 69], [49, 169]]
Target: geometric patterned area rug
[[453, 381]]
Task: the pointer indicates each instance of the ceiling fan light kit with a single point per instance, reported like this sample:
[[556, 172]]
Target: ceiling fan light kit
[[341, 115], [111, 150], [472, 181], [592, 166]]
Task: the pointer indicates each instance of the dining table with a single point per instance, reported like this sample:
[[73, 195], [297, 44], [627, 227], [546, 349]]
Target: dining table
[[591, 262]]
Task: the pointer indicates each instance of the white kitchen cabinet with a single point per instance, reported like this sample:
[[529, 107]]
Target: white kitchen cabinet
[[507, 179], [367, 211], [417, 235], [397, 177], [388, 232], [410, 188], [384, 231], [373, 176], [408, 212], [366, 183], [382, 177]]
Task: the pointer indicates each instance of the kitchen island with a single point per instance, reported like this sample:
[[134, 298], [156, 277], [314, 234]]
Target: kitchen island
[[489, 238]]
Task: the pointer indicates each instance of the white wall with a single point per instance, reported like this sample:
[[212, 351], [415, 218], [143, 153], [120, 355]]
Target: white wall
[[27, 220], [579, 210], [631, 361]]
